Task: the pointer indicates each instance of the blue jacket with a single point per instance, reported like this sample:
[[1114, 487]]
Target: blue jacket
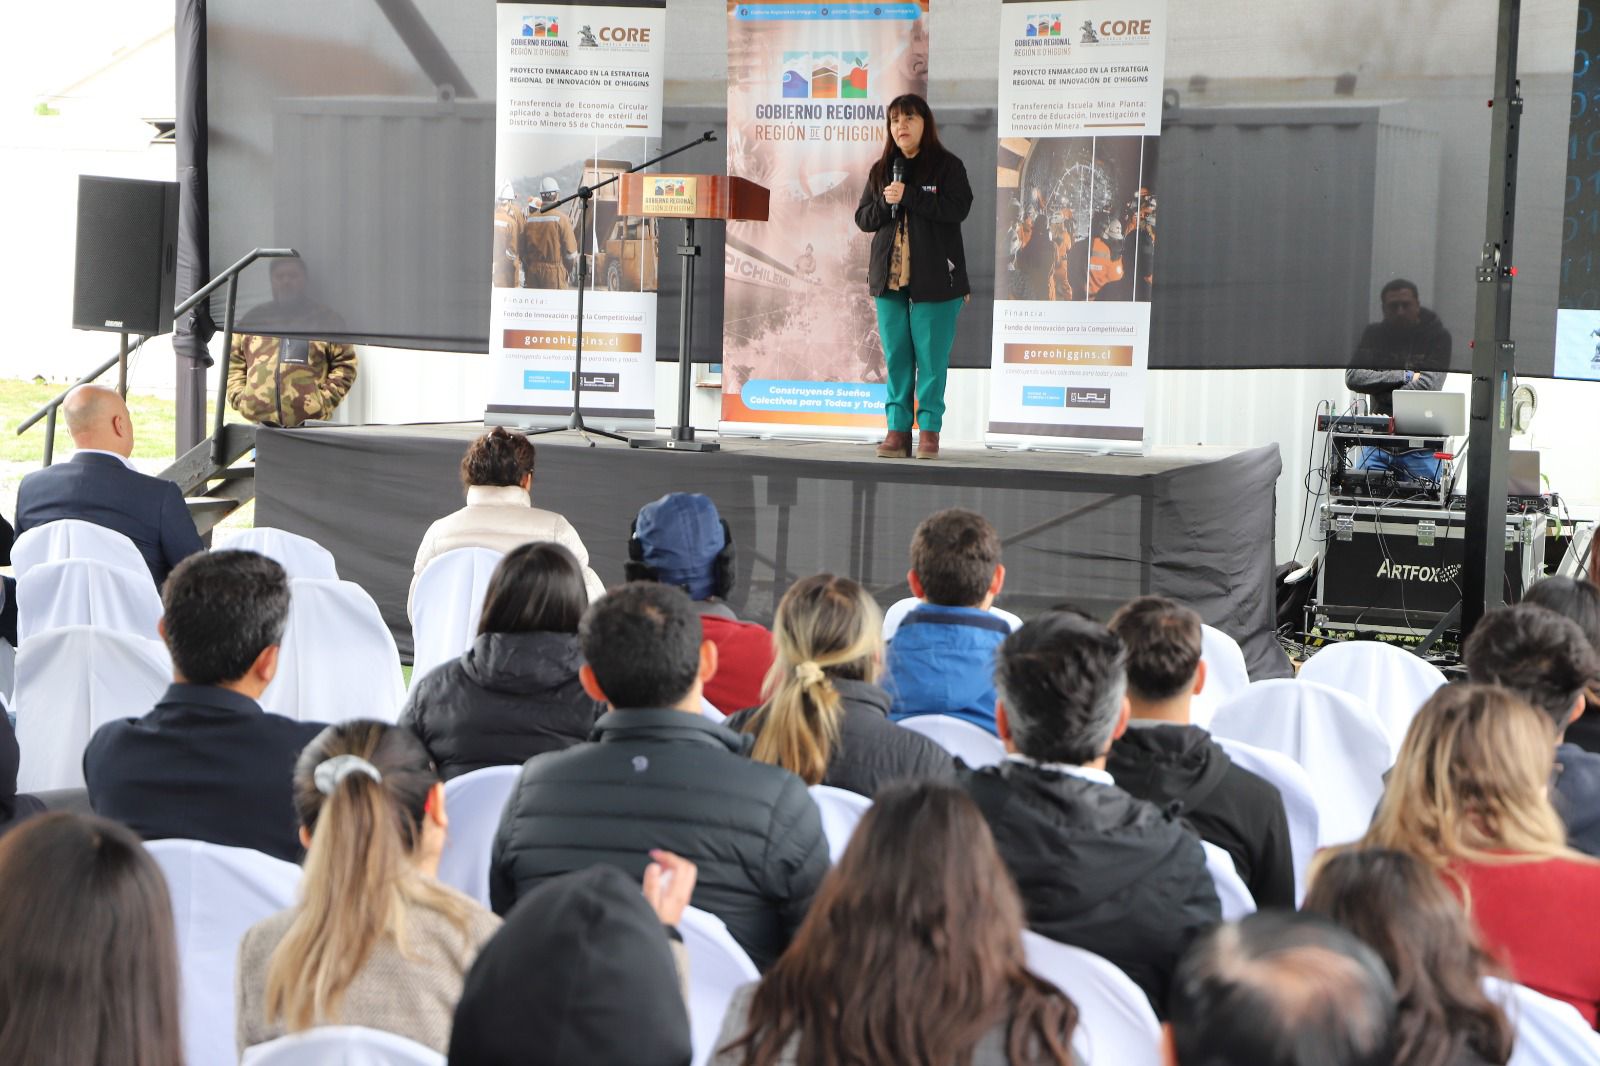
[[1577, 797], [941, 661]]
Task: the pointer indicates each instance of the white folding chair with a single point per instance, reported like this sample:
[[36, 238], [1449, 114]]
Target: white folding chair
[[1549, 1032], [475, 803], [299, 556], [717, 967], [73, 538], [976, 746], [1394, 681], [1299, 801], [341, 1045], [1338, 739], [447, 604], [841, 809], [900, 608], [1115, 1022], [1226, 674], [338, 659], [218, 893], [86, 592], [70, 682], [1232, 892]]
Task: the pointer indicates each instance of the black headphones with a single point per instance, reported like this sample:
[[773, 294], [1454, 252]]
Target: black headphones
[[722, 567]]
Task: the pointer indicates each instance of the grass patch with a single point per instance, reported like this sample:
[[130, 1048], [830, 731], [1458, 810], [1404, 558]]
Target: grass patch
[[154, 422]]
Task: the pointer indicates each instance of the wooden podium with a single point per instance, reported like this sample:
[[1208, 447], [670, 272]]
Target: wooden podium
[[689, 197]]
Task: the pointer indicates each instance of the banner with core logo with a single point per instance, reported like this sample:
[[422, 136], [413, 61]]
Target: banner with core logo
[[808, 87], [1080, 118], [579, 101]]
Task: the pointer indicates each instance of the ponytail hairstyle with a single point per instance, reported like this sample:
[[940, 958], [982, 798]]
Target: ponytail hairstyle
[[826, 627], [361, 789]]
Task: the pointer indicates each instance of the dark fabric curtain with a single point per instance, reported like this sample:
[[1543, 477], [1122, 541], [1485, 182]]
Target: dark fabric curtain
[[194, 230]]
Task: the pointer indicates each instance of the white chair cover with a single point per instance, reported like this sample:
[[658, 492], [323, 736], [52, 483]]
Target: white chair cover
[[1394, 681], [1549, 1032], [1226, 674], [717, 967], [447, 604], [1338, 739], [1116, 1026], [841, 809], [217, 894], [86, 592], [341, 1045], [474, 803], [71, 682], [976, 747], [1299, 801], [900, 608], [1232, 892], [338, 660], [299, 556], [73, 538]]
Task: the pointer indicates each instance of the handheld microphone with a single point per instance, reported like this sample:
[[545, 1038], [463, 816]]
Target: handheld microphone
[[898, 172]]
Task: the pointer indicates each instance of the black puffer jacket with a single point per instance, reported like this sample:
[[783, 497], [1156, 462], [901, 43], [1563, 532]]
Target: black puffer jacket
[[938, 197], [872, 751], [1099, 869], [674, 780], [510, 697]]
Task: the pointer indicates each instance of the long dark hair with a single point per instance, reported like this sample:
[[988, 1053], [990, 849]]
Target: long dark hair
[[89, 973], [1404, 912], [911, 952], [931, 146], [537, 587]]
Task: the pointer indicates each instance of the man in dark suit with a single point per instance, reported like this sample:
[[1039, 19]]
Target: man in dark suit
[[208, 763], [99, 485]]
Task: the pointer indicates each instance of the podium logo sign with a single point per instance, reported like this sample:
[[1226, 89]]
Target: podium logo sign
[[670, 195], [825, 75]]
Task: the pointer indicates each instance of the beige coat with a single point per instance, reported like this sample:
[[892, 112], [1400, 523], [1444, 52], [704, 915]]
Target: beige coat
[[500, 517]]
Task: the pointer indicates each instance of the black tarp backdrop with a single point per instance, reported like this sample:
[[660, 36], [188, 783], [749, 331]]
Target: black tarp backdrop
[[192, 332]]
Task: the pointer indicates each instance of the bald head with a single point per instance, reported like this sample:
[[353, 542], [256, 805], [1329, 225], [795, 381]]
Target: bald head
[[98, 418]]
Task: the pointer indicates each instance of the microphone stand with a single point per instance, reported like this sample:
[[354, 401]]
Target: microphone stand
[[584, 194]]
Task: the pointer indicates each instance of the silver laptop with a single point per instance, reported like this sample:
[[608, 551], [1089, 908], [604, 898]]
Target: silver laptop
[[1524, 479], [1429, 414]]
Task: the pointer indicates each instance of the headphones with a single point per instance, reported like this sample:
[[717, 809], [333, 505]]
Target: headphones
[[722, 567]]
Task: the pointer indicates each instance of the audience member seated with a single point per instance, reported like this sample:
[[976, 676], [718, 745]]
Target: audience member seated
[[1097, 868], [1467, 795], [1402, 910], [89, 974], [581, 973], [912, 953], [498, 474], [681, 540], [1281, 989], [1165, 759], [825, 718], [208, 763], [98, 484], [515, 693], [8, 586], [1547, 660], [1579, 601], [659, 774], [13, 807], [941, 660], [375, 941]]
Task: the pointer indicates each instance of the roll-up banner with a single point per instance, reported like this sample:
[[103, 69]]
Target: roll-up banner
[[579, 100], [1080, 115], [808, 85]]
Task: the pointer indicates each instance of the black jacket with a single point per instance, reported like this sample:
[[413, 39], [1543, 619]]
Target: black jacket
[[1388, 349], [205, 764], [1099, 869], [937, 199], [1226, 804], [674, 780], [872, 751], [510, 697], [13, 808]]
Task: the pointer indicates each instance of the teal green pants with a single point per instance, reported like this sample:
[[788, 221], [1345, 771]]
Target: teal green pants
[[916, 336]]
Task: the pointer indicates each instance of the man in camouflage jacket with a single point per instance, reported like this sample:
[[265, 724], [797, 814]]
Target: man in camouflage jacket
[[280, 380]]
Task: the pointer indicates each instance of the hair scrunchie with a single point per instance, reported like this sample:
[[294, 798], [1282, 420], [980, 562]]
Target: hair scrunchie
[[330, 772], [809, 673]]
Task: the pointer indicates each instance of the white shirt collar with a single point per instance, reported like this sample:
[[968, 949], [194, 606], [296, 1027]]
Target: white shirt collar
[[498, 496], [123, 459], [1088, 773]]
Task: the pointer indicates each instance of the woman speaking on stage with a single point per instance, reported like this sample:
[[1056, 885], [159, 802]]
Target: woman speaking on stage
[[916, 198]]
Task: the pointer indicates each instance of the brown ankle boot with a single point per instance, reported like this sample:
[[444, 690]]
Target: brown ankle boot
[[928, 444], [896, 445]]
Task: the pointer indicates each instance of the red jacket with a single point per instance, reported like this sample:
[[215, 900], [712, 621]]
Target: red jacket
[[744, 655]]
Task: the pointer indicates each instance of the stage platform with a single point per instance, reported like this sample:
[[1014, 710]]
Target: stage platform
[[1195, 524]]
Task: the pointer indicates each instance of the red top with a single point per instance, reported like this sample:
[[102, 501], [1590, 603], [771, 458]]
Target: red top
[[744, 654], [1538, 919]]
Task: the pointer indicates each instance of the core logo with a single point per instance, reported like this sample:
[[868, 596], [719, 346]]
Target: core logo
[[1432, 575], [541, 26], [825, 75], [1115, 31], [615, 38]]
